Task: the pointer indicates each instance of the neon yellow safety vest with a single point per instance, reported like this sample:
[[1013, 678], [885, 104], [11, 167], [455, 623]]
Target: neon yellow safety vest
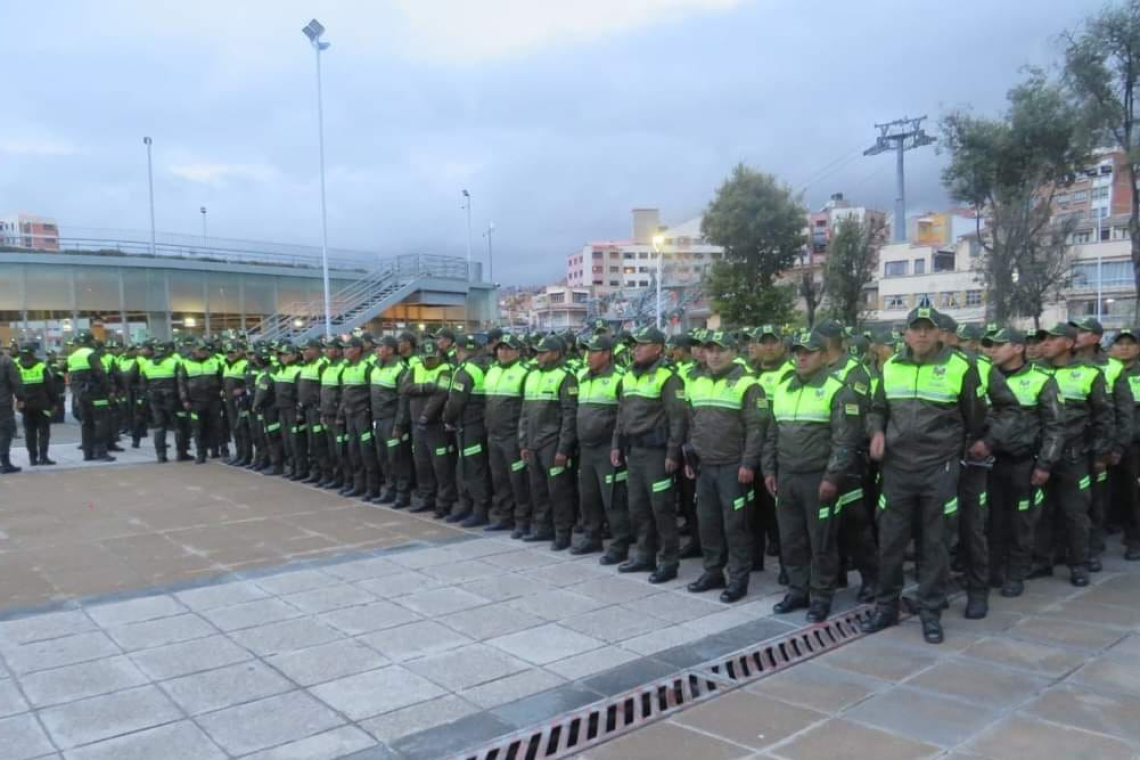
[[353, 374], [287, 374], [1112, 371], [33, 375], [107, 361], [543, 384], [127, 363], [722, 393], [937, 383], [770, 378], [237, 369], [1026, 385], [807, 404], [478, 378], [421, 374], [387, 376], [332, 373], [163, 370], [505, 381], [195, 368], [79, 360], [1134, 386], [312, 370], [1075, 383], [985, 366], [648, 385], [599, 390]]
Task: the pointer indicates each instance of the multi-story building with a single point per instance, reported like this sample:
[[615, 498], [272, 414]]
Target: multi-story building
[[559, 307], [1099, 192], [30, 232]]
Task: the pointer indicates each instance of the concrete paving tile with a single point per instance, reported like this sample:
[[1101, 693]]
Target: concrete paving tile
[[467, 666], [997, 621], [1025, 655], [922, 717], [331, 745], [426, 715], [633, 674], [363, 569], [556, 604], [54, 653], [749, 719], [95, 718], [569, 573], [376, 692], [1063, 632], [221, 595], [399, 584], [1121, 591], [676, 608], [821, 742], [544, 706], [187, 657], [1019, 737], [1110, 674], [214, 689], [430, 557], [49, 625], [329, 598], [614, 590], [442, 601], [157, 633], [483, 547], [1127, 648], [1112, 714], [285, 636], [446, 740], [661, 639], [414, 640], [461, 572], [328, 662], [268, 722], [592, 663], [296, 581], [22, 738], [11, 702], [367, 618], [613, 624], [250, 614], [504, 587], [145, 608], [512, 688], [1080, 611], [979, 684], [817, 686], [524, 559], [491, 620], [887, 663], [545, 644], [175, 741], [718, 622], [667, 740], [72, 682]]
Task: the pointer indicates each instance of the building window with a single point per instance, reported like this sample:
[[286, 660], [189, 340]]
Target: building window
[[615, 284], [643, 255], [973, 298], [643, 283], [1080, 196], [894, 302], [583, 297], [630, 270], [894, 269], [948, 300], [599, 269], [1062, 199], [628, 255], [1112, 274], [920, 266], [597, 254], [615, 270], [1100, 193]]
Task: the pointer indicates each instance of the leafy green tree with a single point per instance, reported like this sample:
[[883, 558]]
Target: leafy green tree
[[761, 227], [1009, 170], [852, 259], [1102, 73]]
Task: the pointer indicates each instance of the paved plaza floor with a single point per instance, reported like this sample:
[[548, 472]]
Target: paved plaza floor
[[186, 611]]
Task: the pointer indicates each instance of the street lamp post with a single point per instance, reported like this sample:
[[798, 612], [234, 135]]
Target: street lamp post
[[150, 185], [490, 252], [205, 237], [657, 241], [467, 205], [313, 31]]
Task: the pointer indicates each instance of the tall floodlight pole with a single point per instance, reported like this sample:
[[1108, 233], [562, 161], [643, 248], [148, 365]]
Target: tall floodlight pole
[[490, 251], [313, 31], [900, 136], [467, 205], [205, 236], [657, 240], [150, 184]]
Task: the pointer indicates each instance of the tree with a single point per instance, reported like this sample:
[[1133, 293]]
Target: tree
[[1009, 169], [1045, 270], [809, 291], [852, 259], [760, 225], [1102, 73]]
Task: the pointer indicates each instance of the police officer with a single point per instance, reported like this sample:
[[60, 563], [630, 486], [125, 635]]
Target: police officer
[[356, 412], [601, 486], [510, 502], [286, 436], [926, 405], [649, 434], [91, 388], [11, 397], [39, 401], [237, 400], [547, 440], [130, 397], [464, 412], [262, 412], [335, 457], [312, 449], [425, 389], [768, 357], [1026, 447], [728, 419], [200, 389], [1124, 477], [393, 445], [158, 375]]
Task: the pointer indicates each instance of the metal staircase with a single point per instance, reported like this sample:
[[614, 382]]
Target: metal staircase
[[362, 300]]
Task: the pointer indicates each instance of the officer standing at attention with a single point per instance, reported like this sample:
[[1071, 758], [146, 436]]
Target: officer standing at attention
[[39, 401], [425, 390], [235, 396], [728, 419], [11, 397], [927, 404], [768, 357], [356, 412], [393, 446], [91, 388], [464, 411], [312, 453], [601, 486], [510, 505], [547, 439], [648, 437], [200, 389], [1125, 476], [158, 377], [335, 459]]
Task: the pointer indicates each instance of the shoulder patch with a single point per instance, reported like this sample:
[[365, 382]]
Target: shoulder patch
[[852, 410], [572, 390], [457, 386], [861, 389], [762, 402]]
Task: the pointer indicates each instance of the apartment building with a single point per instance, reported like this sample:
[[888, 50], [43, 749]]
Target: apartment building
[[34, 233]]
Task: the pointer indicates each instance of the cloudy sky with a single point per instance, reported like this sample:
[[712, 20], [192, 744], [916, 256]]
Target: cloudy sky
[[558, 116]]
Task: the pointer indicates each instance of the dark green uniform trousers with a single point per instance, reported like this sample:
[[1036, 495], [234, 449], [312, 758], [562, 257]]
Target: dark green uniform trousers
[[474, 473], [857, 528], [362, 454], [1126, 495], [551, 490], [316, 435], [973, 508], [809, 540], [37, 432], [510, 485], [653, 507], [929, 497], [598, 485], [395, 459], [1063, 527], [1014, 506], [434, 456], [1098, 512], [723, 508]]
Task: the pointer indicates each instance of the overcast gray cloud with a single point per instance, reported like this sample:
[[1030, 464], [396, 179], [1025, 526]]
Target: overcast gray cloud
[[559, 117]]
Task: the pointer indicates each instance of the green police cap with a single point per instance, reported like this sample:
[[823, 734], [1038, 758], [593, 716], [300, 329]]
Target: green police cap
[[811, 341], [649, 335], [721, 338], [600, 342], [1003, 336], [927, 313], [1061, 330]]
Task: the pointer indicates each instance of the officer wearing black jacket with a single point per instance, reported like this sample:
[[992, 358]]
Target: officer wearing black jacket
[[464, 412], [40, 398], [91, 387], [11, 396]]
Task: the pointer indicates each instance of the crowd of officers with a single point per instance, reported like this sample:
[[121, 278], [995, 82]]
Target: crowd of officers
[[981, 451]]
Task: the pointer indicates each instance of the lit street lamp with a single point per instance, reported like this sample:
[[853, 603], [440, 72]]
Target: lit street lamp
[[150, 184], [657, 241], [313, 31]]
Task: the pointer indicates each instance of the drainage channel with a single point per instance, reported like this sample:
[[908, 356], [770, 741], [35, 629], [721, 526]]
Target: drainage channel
[[610, 718]]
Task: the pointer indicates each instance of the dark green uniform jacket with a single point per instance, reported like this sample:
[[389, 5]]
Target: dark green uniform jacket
[[728, 417], [1036, 426], [817, 425]]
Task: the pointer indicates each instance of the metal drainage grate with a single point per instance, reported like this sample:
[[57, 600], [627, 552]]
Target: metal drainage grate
[[777, 654], [575, 731]]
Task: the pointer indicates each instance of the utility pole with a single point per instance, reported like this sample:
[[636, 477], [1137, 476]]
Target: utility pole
[[313, 30], [150, 185], [205, 237], [490, 251], [900, 136]]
